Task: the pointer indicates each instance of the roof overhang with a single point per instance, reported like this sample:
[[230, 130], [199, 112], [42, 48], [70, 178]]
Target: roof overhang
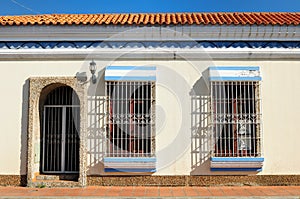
[[151, 33]]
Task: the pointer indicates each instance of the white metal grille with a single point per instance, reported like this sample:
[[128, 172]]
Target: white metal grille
[[236, 118], [61, 117], [130, 121]]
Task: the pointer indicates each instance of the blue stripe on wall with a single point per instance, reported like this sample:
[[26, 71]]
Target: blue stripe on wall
[[129, 170], [235, 78], [129, 159], [130, 68], [237, 159], [233, 68], [130, 78], [236, 169]]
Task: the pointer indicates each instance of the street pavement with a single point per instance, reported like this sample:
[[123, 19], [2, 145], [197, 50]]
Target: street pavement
[[130, 192]]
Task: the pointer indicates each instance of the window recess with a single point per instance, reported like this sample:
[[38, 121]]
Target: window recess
[[235, 119], [130, 131]]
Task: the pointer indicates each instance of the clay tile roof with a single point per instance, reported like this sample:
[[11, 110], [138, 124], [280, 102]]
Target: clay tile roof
[[272, 18]]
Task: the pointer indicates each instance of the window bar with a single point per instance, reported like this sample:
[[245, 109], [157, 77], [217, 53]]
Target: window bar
[[111, 111], [220, 119], [256, 109], [152, 117], [117, 120], [250, 121], [212, 107], [243, 119], [141, 121], [253, 120], [241, 113], [145, 121], [141, 150], [119, 123], [135, 109], [137, 125], [224, 116], [72, 138], [232, 117], [136, 122], [69, 132], [55, 135], [56, 138], [77, 138], [227, 120], [131, 118], [54, 141], [149, 120], [44, 143], [63, 136], [50, 140], [70, 141], [216, 117], [215, 104], [122, 104], [127, 118]]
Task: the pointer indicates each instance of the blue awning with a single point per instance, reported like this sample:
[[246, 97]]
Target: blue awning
[[234, 73], [130, 73]]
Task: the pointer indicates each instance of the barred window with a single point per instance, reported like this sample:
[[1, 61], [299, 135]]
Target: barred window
[[130, 118], [236, 118]]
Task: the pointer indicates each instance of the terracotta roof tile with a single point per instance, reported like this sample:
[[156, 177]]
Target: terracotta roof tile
[[141, 18], [273, 18]]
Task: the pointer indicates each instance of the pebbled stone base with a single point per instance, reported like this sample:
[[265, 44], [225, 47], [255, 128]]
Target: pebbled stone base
[[258, 180], [13, 180]]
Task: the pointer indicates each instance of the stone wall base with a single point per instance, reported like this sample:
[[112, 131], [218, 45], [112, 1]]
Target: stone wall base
[[13, 180], [256, 180]]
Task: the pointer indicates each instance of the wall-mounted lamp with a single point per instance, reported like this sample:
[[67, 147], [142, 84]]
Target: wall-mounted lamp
[[93, 68]]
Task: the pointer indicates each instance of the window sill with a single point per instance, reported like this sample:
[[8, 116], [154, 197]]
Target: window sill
[[130, 164], [236, 164]]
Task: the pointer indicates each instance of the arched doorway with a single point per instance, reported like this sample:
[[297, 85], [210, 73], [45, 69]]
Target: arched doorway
[[60, 132]]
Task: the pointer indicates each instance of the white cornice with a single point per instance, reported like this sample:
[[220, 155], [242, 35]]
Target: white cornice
[[151, 33]]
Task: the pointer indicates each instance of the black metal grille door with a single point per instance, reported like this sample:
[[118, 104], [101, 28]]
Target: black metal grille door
[[61, 132]]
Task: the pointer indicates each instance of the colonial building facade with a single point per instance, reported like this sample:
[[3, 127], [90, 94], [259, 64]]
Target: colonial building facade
[[150, 99]]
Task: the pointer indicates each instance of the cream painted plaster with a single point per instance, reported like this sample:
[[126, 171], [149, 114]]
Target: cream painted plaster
[[175, 146]]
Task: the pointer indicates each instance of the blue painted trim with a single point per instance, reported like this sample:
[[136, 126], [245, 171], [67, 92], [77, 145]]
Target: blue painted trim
[[233, 68], [236, 169], [130, 78], [235, 78], [129, 159], [120, 44], [237, 159], [130, 67], [129, 170]]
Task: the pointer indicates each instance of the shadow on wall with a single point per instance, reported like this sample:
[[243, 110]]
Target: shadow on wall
[[24, 124], [96, 129], [200, 136]]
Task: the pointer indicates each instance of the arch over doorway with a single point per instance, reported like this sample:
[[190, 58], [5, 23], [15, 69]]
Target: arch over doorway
[[48, 96]]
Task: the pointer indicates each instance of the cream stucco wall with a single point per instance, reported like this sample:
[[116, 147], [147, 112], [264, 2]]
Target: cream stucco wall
[[177, 149]]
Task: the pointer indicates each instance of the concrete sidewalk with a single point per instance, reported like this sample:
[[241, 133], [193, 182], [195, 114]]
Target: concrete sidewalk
[[153, 192]]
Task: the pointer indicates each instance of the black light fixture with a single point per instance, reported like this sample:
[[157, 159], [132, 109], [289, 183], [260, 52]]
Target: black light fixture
[[93, 68]]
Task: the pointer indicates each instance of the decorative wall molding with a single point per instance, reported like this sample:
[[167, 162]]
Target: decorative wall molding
[[155, 50], [147, 45]]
